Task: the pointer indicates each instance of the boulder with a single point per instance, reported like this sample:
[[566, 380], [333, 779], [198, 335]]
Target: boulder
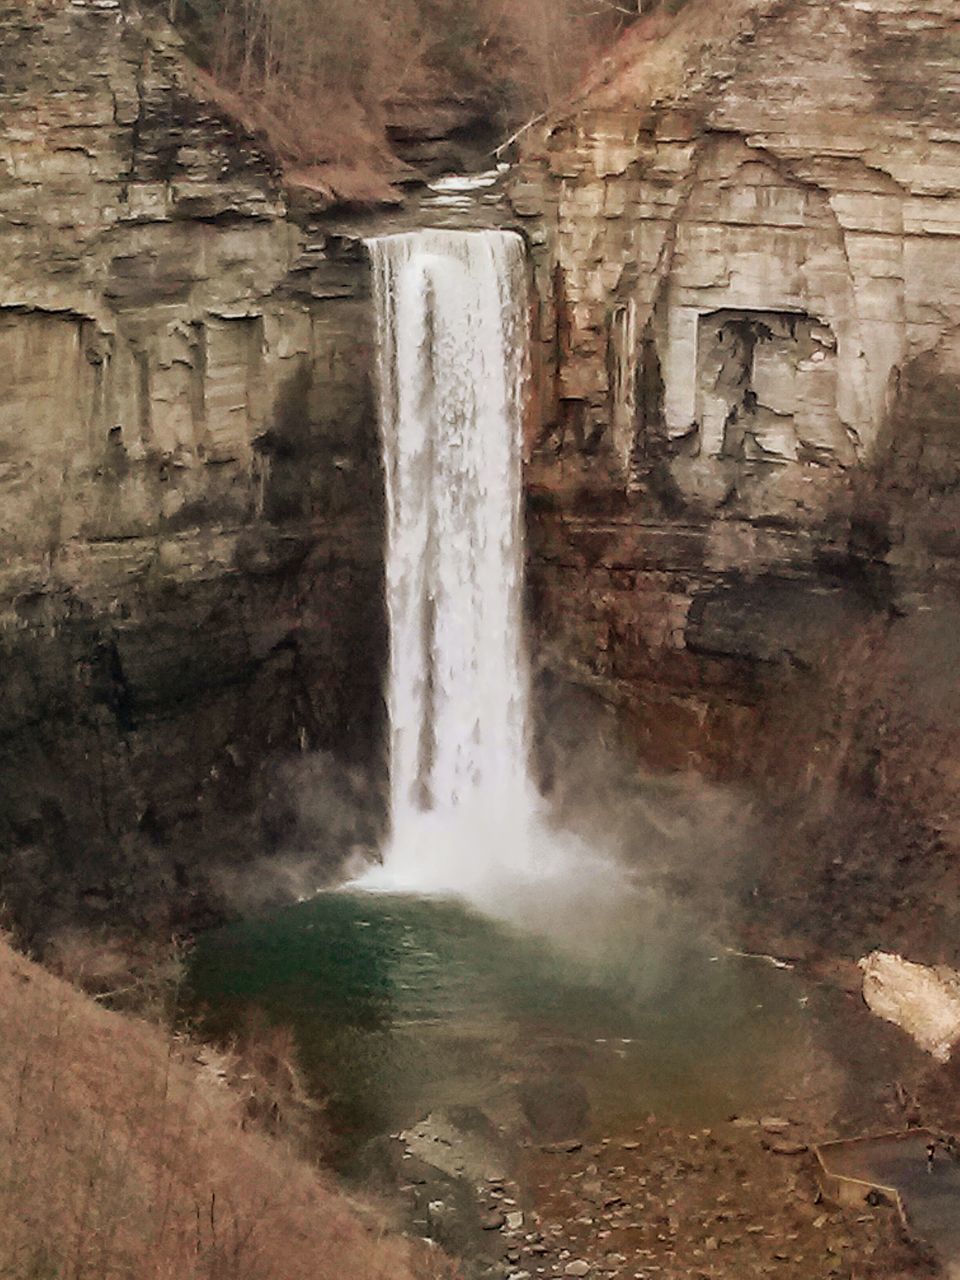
[[924, 1002]]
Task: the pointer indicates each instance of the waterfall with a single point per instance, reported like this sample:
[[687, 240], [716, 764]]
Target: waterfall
[[452, 340]]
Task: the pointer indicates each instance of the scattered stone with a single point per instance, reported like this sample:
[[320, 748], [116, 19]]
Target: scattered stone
[[492, 1220], [774, 1124], [514, 1221], [562, 1148], [578, 1268], [789, 1148]]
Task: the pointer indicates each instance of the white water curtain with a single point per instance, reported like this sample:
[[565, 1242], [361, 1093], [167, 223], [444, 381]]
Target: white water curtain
[[452, 337]]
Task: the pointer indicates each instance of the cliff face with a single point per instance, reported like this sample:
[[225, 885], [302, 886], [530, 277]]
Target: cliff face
[[745, 494], [190, 489], [743, 463]]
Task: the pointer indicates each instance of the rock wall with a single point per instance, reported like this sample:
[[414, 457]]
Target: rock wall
[[746, 246], [190, 488], [743, 463], [745, 475]]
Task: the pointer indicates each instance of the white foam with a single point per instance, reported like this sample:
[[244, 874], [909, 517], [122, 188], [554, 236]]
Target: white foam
[[466, 181]]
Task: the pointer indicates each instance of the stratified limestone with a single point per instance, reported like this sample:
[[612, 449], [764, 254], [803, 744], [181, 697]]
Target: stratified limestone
[[746, 238], [775, 216], [190, 489]]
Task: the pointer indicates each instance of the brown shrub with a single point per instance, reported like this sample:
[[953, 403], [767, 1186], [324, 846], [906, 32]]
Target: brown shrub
[[263, 1068], [137, 975], [316, 78]]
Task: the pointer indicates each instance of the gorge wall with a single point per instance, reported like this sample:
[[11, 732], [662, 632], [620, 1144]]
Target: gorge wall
[[745, 491], [743, 462], [190, 488]]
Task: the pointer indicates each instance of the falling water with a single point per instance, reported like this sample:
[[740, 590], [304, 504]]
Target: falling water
[[452, 353]]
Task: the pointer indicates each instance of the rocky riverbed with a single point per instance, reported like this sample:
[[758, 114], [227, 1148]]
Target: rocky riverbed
[[734, 1200]]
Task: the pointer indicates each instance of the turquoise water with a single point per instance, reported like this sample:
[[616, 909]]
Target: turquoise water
[[403, 1005]]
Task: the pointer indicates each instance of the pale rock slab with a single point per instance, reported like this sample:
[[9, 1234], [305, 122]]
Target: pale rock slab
[[924, 1002]]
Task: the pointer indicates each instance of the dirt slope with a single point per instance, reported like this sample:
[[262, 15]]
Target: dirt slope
[[119, 1158]]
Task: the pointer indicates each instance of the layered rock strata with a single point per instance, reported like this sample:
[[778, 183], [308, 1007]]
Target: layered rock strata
[[190, 488], [746, 237]]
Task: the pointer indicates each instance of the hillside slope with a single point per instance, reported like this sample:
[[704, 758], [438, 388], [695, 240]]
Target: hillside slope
[[119, 1158]]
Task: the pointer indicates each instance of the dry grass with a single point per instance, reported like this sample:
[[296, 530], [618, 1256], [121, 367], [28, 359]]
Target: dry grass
[[121, 1160], [316, 79], [667, 52]]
